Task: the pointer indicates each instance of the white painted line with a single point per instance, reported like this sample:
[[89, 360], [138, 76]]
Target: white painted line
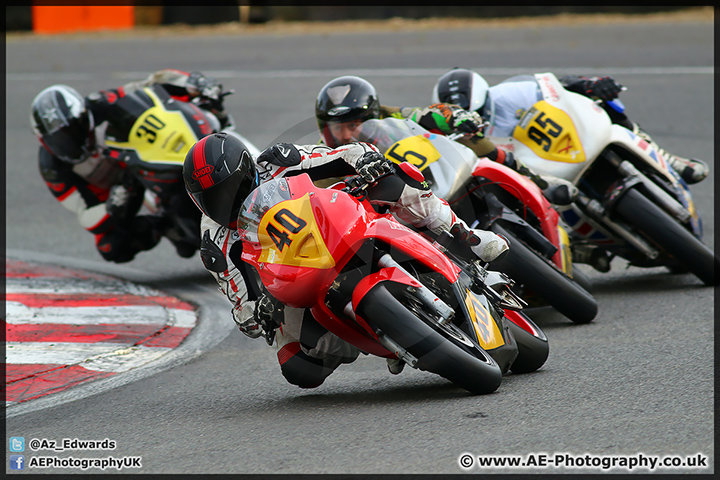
[[102, 357], [18, 314], [124, 359], [386, 72], [65, 286], [181, 318]]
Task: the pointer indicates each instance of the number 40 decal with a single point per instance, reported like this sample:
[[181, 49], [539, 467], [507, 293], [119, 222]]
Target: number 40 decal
[[290, 221]]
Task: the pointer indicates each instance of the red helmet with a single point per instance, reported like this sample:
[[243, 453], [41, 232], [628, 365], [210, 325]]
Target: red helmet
[[219, 173]]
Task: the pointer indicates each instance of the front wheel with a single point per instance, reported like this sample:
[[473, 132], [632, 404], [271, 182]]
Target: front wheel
[[444, 351], [662, 230], [540, 276], [533, 350]]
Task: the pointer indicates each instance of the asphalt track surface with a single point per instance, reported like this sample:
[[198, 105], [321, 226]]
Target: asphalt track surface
[[637, 381]]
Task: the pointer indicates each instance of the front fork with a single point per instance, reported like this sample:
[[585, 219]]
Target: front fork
[[632, 178]]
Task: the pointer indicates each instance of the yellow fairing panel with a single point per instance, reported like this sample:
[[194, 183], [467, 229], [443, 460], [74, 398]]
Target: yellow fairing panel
[[565, 253], [159, 135], [417, 150], [289, 235], [550, 134], [488, 334]]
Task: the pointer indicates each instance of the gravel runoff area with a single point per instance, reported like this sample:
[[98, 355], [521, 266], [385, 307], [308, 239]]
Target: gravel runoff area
[[697, 14]]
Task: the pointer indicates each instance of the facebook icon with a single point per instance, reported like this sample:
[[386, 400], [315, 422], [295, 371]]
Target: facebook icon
[[17, 462]]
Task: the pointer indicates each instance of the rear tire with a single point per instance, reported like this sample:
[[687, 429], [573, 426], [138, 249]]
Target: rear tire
[[665, 232], [437, 350], [546, 280]]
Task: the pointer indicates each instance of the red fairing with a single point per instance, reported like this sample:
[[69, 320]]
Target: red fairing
[[384, 275], [344, 224], [528, 193], [521, 321]]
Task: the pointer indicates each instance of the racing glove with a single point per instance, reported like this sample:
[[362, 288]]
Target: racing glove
[[373, 165], [269, 315], [126, 198], [446, 118], [244, 316], [208, 90], [463, 121], [602, 88]]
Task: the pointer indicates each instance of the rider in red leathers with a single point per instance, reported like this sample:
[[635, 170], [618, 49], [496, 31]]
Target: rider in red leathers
[[219, 173]]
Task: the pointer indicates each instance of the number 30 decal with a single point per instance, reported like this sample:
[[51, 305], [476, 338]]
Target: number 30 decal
[[150, 127]]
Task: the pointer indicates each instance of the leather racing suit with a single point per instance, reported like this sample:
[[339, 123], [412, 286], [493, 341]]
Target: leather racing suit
[[85, 188]]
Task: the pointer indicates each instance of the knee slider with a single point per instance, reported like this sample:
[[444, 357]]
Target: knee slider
[[304, 371]]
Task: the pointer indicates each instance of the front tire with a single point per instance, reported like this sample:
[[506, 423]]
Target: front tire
[[543, 278], [437, 350], [662, 230], [532, 351]]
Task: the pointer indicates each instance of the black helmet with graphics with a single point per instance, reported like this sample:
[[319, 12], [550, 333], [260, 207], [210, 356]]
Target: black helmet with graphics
[[219, 173], [345, 99], [63, 124]]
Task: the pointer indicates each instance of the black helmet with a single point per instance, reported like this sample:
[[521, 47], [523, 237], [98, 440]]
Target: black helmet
[[461, 87], [63, 124], [342, 100], [219, 173]]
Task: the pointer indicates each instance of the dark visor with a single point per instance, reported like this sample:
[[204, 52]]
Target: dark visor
[[222, 202]]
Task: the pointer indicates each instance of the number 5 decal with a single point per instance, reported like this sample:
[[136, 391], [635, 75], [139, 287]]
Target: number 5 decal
[[418, 151]]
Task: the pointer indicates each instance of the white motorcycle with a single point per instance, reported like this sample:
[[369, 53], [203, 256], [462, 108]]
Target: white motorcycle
[[632, 204]]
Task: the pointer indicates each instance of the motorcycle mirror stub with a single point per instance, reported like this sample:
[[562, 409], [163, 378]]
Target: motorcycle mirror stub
[[412, 171]]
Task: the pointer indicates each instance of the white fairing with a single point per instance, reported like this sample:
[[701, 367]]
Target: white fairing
[[592, 124], [451, 164], [455, 166]]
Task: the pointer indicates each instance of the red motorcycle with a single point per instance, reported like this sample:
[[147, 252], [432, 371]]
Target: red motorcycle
[[383, 287], [490, 196]]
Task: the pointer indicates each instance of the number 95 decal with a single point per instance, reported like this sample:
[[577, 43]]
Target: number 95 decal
[[550, 134]]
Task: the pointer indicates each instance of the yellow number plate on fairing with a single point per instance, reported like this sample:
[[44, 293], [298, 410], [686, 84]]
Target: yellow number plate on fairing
[[159, 135], [289, 235], [489, 335], [417, 150], [550, 134]]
